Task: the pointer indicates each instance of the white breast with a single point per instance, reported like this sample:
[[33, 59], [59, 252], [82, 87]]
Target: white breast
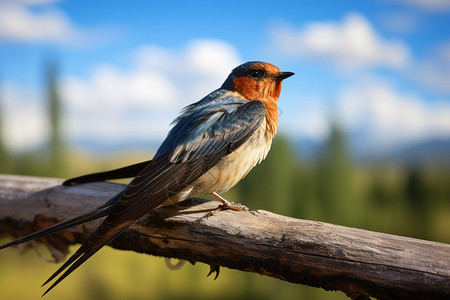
[[233, 167], [230, 169]]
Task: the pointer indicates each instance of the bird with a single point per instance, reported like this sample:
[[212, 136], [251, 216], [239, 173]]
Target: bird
[[212, 145]]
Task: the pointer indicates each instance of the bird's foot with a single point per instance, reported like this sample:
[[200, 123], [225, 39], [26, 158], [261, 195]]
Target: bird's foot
[[226, 205], [213, 269]]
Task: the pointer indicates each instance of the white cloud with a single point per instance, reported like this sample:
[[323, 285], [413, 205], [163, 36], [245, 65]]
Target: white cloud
[[350, 44], [434, 72], [400, 21], [114, 104], [112, 88], [108, 102], [19, 22], [388, 118], [23, 117], [434, 5], [201, 65]]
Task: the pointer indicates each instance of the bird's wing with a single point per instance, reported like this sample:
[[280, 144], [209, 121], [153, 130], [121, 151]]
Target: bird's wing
[[124, 172], [164, 177], [185, 128], [184, 138], [209, 125]]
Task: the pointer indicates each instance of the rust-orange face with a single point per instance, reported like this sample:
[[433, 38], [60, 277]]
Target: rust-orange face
[[257, 81]]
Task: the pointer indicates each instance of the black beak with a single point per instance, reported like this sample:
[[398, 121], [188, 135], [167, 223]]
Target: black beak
[[283, 75]]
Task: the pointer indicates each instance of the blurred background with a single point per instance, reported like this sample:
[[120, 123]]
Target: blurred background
[[364, 130]]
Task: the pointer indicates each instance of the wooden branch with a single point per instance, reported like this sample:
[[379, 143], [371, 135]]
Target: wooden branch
[[358, 262]]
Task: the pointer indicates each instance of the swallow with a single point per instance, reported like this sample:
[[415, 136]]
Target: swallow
[[212, 145]]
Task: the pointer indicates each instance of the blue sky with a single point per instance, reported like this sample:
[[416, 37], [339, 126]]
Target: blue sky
[[380, 68]]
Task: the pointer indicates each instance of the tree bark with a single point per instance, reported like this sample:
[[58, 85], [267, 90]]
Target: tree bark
[[358, 262]]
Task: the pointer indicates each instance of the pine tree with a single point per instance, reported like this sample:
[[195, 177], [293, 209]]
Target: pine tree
[[416, 195], [55, 148], [335, 180]]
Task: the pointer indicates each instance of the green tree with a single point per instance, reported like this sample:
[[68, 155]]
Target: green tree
[[55, 147], [415, 190], [416, 195], [335, 181]]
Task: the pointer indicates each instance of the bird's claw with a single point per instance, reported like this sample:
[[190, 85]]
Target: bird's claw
[[229, 205], [214, 269], [226, 205]]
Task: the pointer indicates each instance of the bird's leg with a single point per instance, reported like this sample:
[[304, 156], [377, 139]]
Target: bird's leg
[[226, 204]]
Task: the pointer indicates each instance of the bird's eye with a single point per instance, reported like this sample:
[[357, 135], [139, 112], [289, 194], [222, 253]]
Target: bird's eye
[[255, 74]]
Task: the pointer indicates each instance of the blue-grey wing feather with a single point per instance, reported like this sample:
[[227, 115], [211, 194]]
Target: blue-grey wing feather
[[210, 124]]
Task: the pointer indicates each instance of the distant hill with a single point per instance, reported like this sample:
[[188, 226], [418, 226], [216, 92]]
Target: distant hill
[[435, 152], [430, 152]]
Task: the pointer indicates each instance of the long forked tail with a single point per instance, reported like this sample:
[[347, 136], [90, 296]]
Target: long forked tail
[[99, 238], [95, 214], [99, 212], [102, 236]]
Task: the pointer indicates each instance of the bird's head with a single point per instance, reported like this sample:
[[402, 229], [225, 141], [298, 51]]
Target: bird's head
[[256, 80]]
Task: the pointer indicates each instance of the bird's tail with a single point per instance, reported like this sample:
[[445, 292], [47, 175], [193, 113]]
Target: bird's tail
[[125, 172], [102, 236], [99, 212]]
